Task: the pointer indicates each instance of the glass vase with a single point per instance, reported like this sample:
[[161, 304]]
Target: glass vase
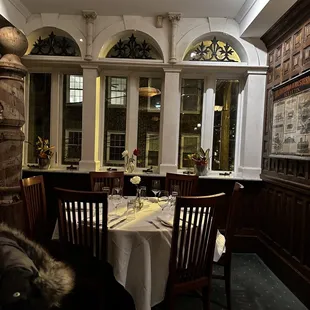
[[138, 201], [201, 170]]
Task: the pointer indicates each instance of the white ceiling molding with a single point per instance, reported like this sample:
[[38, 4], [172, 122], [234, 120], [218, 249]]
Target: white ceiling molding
[[244, 10], [21, 8]]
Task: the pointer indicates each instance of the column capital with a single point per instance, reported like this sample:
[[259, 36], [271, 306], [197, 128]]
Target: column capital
[[90, 16], [90, 67], [174, 17]]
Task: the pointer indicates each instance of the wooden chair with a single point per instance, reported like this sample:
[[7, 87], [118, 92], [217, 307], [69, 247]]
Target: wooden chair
[[33, 196], [82, 221], [98, 180], [225, 259], [187, 183], [192, 247]]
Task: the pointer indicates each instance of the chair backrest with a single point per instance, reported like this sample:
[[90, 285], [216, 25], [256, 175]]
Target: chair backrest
[[234, 206], [186, 183], [33, 195], [82, 220], [98, 180], [193, 238]]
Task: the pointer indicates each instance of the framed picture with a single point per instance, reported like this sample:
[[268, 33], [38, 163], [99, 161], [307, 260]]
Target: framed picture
[[290, 121]]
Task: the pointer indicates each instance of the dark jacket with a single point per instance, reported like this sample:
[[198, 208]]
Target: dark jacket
[[29, 277]]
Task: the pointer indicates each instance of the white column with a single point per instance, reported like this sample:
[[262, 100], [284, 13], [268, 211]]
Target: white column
[[55, 129], [90, 119], [174, 19], [90, 17], [132, 113], [170, 122], [252, 125]]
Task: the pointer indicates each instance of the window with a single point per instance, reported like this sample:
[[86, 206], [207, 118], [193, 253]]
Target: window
[[225, 121], [115, 120], [72, 119], [189, 145], [73, 145], [117, 91], [149, 121], [151, 150], [190, 119], [75, 85], [39, 111], [115, 147]]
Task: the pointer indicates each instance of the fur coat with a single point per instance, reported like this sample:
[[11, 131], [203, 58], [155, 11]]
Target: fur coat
[[28, 272]]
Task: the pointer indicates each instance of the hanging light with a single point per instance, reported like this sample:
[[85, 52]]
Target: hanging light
[[148, 92]]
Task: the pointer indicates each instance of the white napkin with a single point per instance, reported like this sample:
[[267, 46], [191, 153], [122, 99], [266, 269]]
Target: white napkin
[[166, 219]]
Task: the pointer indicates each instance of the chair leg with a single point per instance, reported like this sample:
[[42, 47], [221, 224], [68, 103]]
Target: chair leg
[[227, 274], [206, 292]]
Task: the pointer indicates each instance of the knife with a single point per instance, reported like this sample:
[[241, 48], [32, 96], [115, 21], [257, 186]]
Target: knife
[[123, 220]]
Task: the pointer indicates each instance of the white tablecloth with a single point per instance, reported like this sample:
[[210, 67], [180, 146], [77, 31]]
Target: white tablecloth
[[139, 253]]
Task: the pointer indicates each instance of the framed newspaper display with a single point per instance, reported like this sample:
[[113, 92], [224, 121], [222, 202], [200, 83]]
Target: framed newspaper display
[[290, 121]]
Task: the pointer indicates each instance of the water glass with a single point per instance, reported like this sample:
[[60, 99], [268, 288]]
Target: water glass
[[155, 187], [143, 192], [116, 197], [131, 209]]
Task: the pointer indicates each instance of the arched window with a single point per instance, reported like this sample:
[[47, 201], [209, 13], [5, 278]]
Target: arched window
[[55, 45], [212, 50], [133, 47]]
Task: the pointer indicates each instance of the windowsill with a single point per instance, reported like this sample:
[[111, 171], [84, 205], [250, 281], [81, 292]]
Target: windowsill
[[211, 175]]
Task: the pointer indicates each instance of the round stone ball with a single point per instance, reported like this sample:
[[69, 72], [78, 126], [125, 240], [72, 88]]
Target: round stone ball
[[12, 41]]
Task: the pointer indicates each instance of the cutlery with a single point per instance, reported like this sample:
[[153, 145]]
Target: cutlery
[[154, 224], [116, 224]]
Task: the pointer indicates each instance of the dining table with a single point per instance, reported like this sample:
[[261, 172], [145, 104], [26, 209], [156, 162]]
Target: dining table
[[139, 244]]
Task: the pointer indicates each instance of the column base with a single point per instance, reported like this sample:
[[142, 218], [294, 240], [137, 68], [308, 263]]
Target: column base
[[89, 165], [164, 168], [250, 172]]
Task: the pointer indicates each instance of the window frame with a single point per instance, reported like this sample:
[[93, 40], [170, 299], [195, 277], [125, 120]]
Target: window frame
[[108, 160], [67, 132], [125, 104], [187, 135], [147, 147], [68, 90]]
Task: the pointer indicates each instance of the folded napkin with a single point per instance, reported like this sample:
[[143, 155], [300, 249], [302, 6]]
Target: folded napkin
[[163, 204], [166, 219]]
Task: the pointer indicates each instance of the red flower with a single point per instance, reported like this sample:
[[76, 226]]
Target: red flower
[[136, 152]]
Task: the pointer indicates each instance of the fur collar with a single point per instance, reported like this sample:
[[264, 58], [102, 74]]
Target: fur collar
[[55, 279]]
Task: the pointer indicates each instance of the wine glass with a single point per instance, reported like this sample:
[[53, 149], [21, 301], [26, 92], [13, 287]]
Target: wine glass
[[175, 189], [155, 187], [143, 192], [117, 185]]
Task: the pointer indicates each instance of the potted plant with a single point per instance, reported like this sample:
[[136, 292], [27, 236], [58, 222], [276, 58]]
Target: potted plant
[[45, 153], [201, 161]]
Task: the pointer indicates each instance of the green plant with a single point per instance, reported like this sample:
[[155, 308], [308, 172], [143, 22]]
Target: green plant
[[43, 148], [201, 157]]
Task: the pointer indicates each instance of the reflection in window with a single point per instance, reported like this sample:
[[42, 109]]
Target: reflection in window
[[39, 111], [149, 121], [72, 119], [190, 120], [115, 120], [225, 121], [75, 88]]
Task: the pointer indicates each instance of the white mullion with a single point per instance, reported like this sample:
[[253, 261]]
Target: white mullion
[[208, 114], [60, 120], [25, 128], [101, 116], [132, 112], [54, 115]]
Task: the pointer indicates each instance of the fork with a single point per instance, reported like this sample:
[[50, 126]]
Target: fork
[[154, 224]]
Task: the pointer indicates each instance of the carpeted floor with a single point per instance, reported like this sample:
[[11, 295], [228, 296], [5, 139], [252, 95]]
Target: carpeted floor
[[254, 287]]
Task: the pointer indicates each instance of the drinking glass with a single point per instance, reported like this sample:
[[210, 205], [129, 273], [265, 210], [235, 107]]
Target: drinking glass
[[117, 185], [116, 197], [131, 209], [175, 189], [106, 190], [155, 187], [143, 192]]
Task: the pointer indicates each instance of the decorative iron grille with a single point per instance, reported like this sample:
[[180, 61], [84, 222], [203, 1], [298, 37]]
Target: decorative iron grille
[[214, 50], [131, 49], [55, 46]]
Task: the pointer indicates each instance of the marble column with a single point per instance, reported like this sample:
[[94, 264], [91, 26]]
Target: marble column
[[174, 19], [90, 17], [170, 121], [90, 119], [13, 45]]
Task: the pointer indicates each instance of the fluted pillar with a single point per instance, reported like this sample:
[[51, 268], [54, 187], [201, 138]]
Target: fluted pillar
[[174, 19], [13, 44], [90, 17]]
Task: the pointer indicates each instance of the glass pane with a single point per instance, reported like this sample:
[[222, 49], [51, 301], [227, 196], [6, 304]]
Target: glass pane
[[190, 120], [225, 121], [39, 111], [149, 121], [115, 120], [72, 119]]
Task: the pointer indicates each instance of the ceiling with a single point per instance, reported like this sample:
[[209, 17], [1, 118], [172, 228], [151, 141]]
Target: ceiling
[[188, 8]]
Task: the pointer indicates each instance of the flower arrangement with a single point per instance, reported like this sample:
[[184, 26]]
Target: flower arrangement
[[129, 161], [44, 149], [201, 160], [135, 180]]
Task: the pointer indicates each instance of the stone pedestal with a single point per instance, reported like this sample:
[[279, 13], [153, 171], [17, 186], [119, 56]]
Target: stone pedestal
[[12, 45]]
